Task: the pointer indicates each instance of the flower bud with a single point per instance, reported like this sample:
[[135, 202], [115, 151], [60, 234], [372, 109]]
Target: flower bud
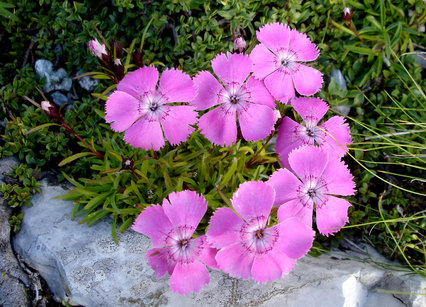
[[51, 110], [239, 45], [137, 58], [347, 14], [118, 49], [118, 69], [97, 48], [127, 164]]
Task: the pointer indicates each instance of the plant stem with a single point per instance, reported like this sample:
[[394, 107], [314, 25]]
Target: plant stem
[[69, 129], [250, 162]]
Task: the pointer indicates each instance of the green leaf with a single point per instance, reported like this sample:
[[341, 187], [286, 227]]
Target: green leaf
[[126, 224], [114, 228], [360, 50], [230, 172], [75, 157], [41, 127]]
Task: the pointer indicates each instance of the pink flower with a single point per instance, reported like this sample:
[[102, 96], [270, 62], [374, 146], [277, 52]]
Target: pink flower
[[171, 228], [292, 135], [239, 44], [97, 48], [316, 178], [276, 61], [144, 112], [248, 247], [234, 96]]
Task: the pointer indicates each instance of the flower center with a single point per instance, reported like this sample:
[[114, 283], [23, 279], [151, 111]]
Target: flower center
[[310, 132], [153, 106], [259, 234], [284, 62], [183, 244], [233, 99], [256, 238], [312, 193]]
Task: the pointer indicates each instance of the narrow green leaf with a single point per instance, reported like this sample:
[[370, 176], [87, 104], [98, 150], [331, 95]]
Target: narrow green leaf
[[114, 228], [126, 224], [95, 201], [230, 172], [360, 50], [41, 127], [382, 13], [75, 157]]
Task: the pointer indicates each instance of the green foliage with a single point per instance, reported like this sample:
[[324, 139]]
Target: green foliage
[[375, 54], [20, 194]]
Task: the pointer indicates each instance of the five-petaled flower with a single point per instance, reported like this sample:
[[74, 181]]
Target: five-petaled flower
[[332, 135], [316, 178], [171, 228], [236, 94], [144, 112], [248, 248], [276, 61]]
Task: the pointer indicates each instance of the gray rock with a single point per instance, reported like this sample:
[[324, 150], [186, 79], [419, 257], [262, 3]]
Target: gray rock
[[59, 98], [87, 83], [13, 281], [55, 80], [344, 109], [6, 167], [82, 265], [421, 58], [337, 75]]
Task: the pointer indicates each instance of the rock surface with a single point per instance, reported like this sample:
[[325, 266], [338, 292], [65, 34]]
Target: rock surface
[[55, 80], [13, 281], [82, 265]]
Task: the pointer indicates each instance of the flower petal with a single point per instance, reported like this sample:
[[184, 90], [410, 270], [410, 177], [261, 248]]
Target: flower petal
[[224, 228], [253, 199], [294, 208], [338, 178], [265, 268], [256, 121], [264, 62], [310, 109], [285, 184], [160, 262], [153, 223], [208, 253], [189, 277], [332, 214], [122, 109], [176, 123], [274, 36], [259, 93], [219, 126], [295, 238], [307, 80], [139, 82], [302, 46], [338, 131], [288, 138], [186, 208], [235, 260], [208, 89], [280, 85], [177, 86], [145, 134], [232, 67], [308, 162]]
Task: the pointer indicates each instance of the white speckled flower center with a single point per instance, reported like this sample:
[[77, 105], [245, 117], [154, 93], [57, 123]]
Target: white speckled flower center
[[234, 96], [182, 246], [312, 192], [285, 60], [256, 238], [152, 106]]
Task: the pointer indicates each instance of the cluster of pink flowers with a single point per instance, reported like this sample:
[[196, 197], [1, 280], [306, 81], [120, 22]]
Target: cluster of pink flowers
[[240, 96]]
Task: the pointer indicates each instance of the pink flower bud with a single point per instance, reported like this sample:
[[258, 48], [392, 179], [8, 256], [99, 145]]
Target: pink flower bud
[[97, 48], [239, 44], [51, 110], [347, 14]]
